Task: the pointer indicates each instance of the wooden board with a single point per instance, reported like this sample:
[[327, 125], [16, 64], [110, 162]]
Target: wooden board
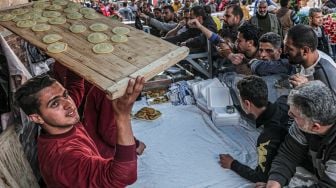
[[9, 3], [143, 54]]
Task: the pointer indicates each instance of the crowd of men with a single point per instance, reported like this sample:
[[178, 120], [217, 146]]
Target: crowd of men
[[101, 151]]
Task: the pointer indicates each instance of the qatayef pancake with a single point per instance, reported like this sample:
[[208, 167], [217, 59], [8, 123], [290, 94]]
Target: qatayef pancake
[[74, 5], [97, 38], [87, 10], [77, 28], [40, 5], [102, 48], [41, 27], [119, 38], [57, 47], [19, 11], [51, 38], [91, 16], [51, 14], [57, 21], [25, 23], [41, 19], [53, 7], [74, 16], [60, 2], [34, 15], [98, 27], [70, 10], [121, 30], [22, 17], [6, 17], [35, 10]]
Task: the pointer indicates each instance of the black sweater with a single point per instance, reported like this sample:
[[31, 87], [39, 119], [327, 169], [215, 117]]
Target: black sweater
[[275, 122]]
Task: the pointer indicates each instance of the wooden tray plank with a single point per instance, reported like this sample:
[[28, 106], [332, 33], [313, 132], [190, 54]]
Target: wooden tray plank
[[143, 54], [149, 71]]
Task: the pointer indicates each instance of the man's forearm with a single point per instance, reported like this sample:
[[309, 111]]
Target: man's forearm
[[205, 31], [124, 131]]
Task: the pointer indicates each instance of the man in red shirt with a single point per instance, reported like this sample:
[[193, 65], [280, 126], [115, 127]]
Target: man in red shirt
[[67, 155]]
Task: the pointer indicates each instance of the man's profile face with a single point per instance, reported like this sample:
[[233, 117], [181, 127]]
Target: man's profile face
[[57, 109], [230, 19], [294, 54], [317, 19], [262, 9], [268, 52], [167, 15], [303, 123], [241, 43], [157, 14]]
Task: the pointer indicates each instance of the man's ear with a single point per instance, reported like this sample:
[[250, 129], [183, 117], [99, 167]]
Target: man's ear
[[36, 118], [306, 50], [280, 51], [316, 127], [247, 104]]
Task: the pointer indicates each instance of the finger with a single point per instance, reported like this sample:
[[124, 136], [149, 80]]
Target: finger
[[139, 84], [130, 87]]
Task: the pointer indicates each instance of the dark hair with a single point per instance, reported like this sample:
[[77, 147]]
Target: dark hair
[[198, 11], [313, 10], [254, 89], [124, 4], [170, 8], [157, 9], [207, 9], [284, 3], [250, 32], [303, 35], [236, 10], [273, 38], [26, 96]]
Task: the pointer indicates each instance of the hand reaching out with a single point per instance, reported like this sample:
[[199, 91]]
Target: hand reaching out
[[297, 80], [225, 160], [236, 58]]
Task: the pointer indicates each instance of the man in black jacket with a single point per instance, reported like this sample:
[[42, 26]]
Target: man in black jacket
[[313, 134], [273, 117], [193, 38]]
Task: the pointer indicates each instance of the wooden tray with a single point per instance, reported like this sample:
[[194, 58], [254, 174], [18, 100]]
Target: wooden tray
[[143, 54]]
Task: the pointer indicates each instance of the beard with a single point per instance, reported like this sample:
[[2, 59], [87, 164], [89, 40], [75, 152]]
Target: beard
[[296, 60]]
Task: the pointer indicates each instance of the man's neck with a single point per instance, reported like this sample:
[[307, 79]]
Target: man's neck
[[56, 130], [258, 111], [314, 26], [311, 60]]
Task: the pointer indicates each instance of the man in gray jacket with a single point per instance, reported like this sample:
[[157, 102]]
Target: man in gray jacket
[[301, 47], [312, 135]]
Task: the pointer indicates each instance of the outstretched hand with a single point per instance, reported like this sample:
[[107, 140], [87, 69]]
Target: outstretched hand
[[123, 105], [225, 160], [297, 80]]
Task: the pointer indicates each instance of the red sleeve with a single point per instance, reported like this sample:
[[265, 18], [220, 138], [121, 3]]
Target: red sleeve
[[59, 72], [105, 121], [75, 85], [82, 170]]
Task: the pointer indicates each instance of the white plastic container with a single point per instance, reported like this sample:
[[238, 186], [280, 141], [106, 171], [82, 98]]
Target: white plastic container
[[218, 97], [221, 118]]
